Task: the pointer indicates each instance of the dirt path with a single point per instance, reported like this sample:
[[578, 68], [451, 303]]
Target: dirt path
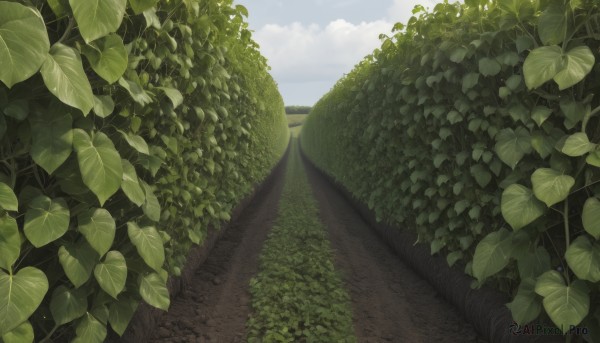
[[216, 306], [390, 302]]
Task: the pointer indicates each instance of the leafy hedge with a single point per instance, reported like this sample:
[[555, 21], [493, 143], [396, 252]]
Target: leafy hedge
[[127, 129], [477, 126]]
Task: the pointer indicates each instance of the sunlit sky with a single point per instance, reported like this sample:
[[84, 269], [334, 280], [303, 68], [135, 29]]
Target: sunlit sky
[[310, 44]]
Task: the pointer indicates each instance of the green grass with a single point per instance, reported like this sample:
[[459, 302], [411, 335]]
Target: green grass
[[296, 119], [298, 296]]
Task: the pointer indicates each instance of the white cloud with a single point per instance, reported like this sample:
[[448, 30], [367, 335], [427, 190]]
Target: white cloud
[[311, 53]]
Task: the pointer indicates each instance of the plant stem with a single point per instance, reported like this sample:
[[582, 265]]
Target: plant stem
[[47, 338], [67, 32], [567, 234]]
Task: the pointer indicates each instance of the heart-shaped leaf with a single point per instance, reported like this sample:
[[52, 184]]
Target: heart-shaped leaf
[[46, 220], [526, 306], [20, 296], [78, 261], [120, 314], [540, 113], [68, 304], [541, 65], [551, 186], [566, 305], [154, 291], [520, 207], [21, 334], [65, 78], [579, 63], [552, 26], [25, 42], [98, 18], [492, 254], [99, 163], [512, 145], [577, 144], [136, 142], [591, 217], [140, 6], [8, 199], [148, 243], [593, 159], [10, 242], [90, 330], [131, 185], [489, 66], [52, 137], [112, 273], [103, 105], [98, 227], [583, 258], [151, 207], [108, 57]]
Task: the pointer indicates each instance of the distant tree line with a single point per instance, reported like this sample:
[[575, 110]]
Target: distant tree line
[[297, 109]]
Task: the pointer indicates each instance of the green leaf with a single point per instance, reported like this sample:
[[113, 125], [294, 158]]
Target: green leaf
[[18, 109], [512, 145], [136, 142], [20, 296], [173, 94], [577, 145], [151, 206], [120, 314], [520, 207], [46, 220], [593, 159], [489, 66], [534, 263], [112, 273], [579, 62], [140, 6], [458, 55], [90, 330], [10, 242], [148, 243], [24, 42], [131, 185], [59, 7], [99, 163], [98, 18], [552, 25], [78, 261], [154, 291], [68, 304], [551, 186], [21, 334], [591, 217], [583, 258], [137, 92], [108, 57], [573, 110], [492, 254], [103, 105], [65, 78], [469, 81], [8, 199], [540, 114], [566, 305], [98, 227], [526, 306], [52, 137], [541, 65]]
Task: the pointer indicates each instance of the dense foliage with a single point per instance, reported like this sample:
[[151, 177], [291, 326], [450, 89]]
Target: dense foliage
[[298, 296], [127, 129], [477, 126], [297, 109]]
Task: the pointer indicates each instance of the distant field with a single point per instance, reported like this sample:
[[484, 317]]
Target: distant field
[[296, 119]]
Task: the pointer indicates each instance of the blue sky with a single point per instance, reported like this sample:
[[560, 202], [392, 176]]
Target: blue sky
[[310, 44]]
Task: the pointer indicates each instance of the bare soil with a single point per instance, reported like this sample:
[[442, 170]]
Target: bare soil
[[215, 307], [391, 303]]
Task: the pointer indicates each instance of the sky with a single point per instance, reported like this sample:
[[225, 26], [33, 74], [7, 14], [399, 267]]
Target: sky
[[310, 44]]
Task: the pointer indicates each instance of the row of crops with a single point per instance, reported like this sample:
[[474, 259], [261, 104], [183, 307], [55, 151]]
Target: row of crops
[[476, 125], [127, 130]]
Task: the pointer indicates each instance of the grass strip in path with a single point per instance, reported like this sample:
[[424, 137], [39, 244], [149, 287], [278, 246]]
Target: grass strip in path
[[298, 296]]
